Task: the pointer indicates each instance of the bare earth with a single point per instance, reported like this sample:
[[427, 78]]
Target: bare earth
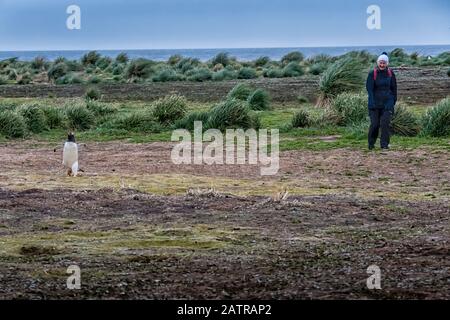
[[141, 227]]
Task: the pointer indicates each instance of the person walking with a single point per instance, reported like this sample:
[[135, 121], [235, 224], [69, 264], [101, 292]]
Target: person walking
[[381, 87]]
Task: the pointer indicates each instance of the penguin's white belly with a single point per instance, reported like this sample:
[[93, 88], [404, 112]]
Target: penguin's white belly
[[70, 154]]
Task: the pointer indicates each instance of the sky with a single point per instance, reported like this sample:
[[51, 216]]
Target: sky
[[168, 24]]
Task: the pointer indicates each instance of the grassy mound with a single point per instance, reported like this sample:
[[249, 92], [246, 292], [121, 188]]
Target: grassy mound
[[34, 117], [404, 122], [345, 75], [79, 117], [436, 122], [259, 100], [169, 109], [12, 124]]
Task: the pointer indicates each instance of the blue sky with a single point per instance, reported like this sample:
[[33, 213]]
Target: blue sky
[[140, 24]]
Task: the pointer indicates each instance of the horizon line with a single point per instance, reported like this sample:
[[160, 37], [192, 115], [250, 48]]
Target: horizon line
[[231, 48]]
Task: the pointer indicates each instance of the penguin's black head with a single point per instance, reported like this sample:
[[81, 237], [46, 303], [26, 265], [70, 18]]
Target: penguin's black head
[[71, 137]]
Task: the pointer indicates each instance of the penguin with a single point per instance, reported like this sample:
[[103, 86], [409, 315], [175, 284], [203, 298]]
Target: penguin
[[70, 155]]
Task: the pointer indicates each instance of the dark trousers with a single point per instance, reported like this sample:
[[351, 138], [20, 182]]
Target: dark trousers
[[379, 119]]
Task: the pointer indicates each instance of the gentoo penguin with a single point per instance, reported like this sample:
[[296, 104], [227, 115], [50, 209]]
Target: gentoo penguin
[[70, 155]]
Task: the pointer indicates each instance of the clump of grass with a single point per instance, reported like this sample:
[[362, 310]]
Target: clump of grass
[[92, 93], [352, 107], [273, 73], [186, 64], [259, 100], [122, 57], [38, 250], [54, 116], [167, 74], [25, 78], [100, 109], [12, 124], [103, 62], [302, 99], [57, 70], [79, 117], [301, 119], [34, 117], [138, 69], [261, 61], [233, 114], [38, 63], [294, 56], [436, 121], [3, 80], [139, 121], [222, 57], [293, 69], [358, 130], [199, 74], [187, 122], [404, 122], [90, 58], [247, 73], [241, 92], [345, 75], [317, 68], [95, 79], [224, 74], [169, 109]]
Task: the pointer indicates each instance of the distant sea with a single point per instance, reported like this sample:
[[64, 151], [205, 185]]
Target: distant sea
[[243, 54]]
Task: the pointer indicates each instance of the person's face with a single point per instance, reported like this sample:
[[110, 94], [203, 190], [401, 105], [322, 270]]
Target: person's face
[[382, 64]]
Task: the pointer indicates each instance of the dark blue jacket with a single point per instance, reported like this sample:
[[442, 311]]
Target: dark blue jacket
[[382, 92]]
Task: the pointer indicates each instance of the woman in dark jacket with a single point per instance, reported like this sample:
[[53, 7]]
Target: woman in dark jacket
[[382, 90]]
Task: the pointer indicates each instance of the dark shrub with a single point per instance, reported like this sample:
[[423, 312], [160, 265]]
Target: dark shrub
[[247, 73], [90, 58], [261, 61], [224, 74], [259, 100], [273, 73], [57, 70], [222, 57], [38, 63], [139, 68], [92, 93], [199, 74], [166, 74], [294, 56], [122, 57]]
